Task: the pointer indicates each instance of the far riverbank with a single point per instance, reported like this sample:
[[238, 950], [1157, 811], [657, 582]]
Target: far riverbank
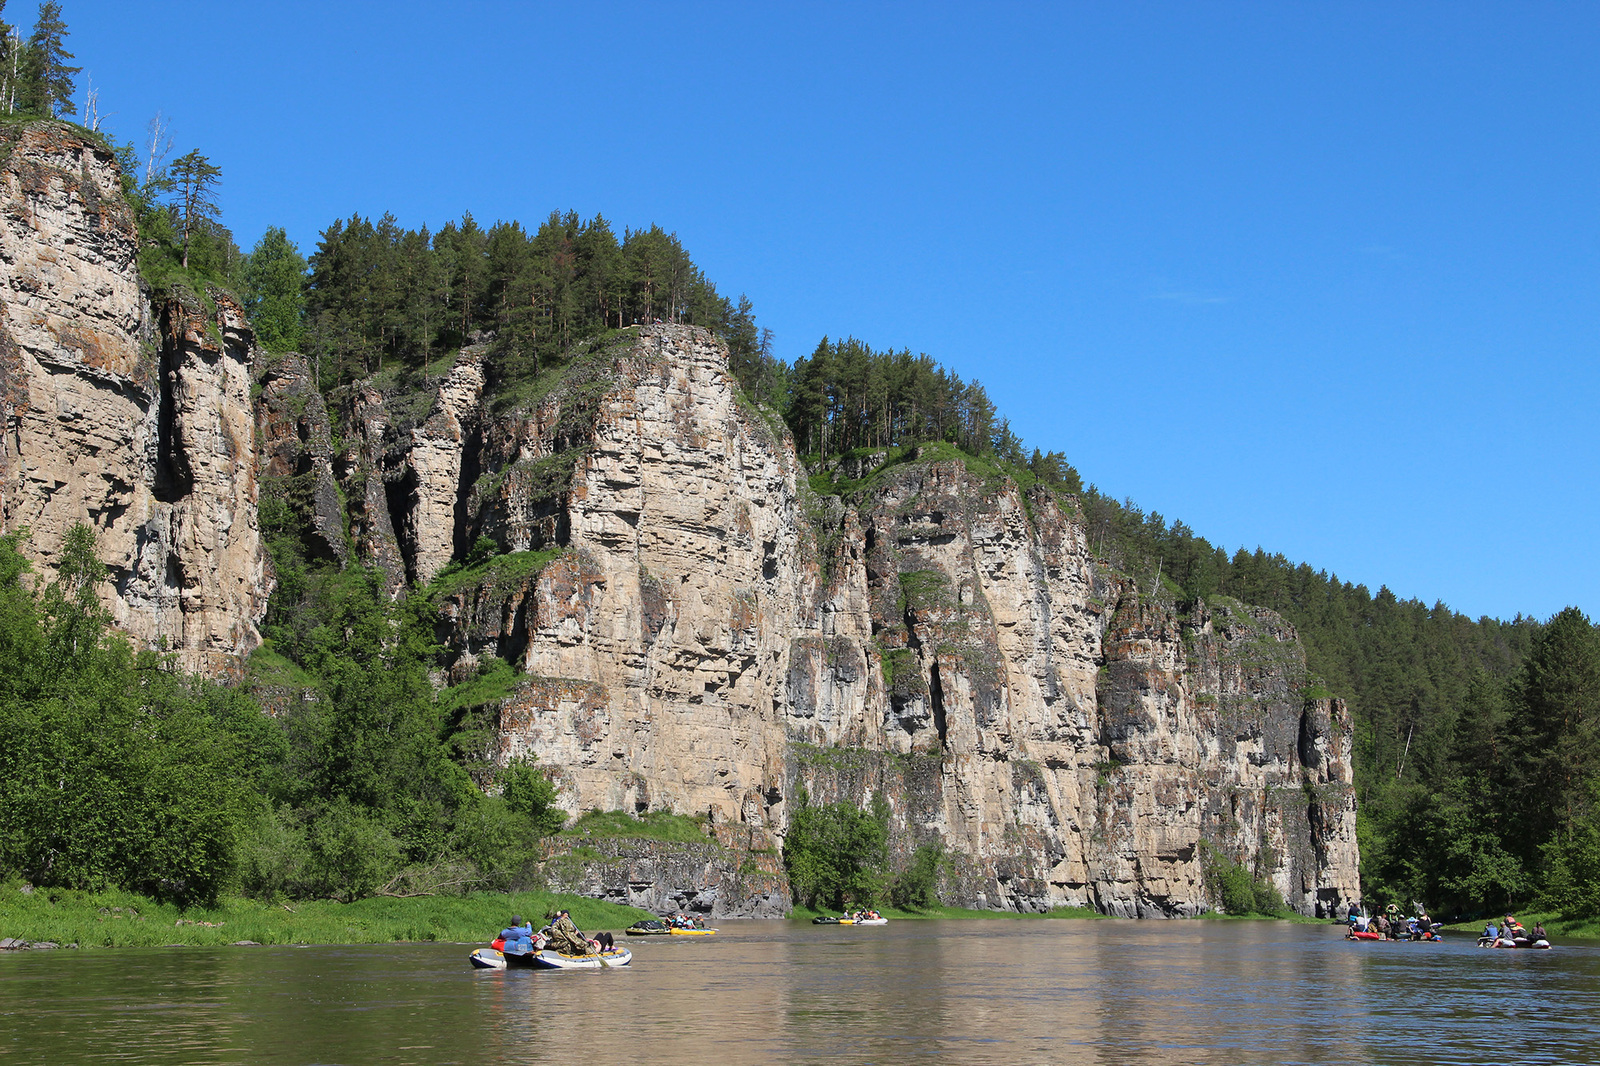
[[121, 919]]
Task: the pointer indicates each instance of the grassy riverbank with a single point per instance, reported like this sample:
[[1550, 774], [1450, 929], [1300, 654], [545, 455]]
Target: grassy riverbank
[[1587, 929], [121, 919]]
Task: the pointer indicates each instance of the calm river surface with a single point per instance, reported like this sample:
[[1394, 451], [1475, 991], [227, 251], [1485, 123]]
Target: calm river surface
[[781, 992]]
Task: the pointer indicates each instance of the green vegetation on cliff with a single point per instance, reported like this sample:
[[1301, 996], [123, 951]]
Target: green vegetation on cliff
[[837, 856], [378, 294]]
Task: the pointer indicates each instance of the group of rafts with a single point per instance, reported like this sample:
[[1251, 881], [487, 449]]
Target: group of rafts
[[1511, 935], [554, 946], [518, 946]]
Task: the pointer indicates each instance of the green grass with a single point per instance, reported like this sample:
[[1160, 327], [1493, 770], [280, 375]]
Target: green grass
[[501, 573], [807, 913], [654, 825], [495, 680], [1578, 929], [121, 919], [267, 667], [585, 369]]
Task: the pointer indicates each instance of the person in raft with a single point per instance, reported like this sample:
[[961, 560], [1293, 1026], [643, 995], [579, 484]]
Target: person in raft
[[566, 938], [517, 938]]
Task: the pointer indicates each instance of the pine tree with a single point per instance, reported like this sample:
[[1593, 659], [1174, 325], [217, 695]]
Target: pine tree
[[196, 180], [1558, 725], [10, 60], [52, 79]]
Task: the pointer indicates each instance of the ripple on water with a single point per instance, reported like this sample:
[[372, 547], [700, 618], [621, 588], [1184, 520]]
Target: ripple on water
[[908, 992]]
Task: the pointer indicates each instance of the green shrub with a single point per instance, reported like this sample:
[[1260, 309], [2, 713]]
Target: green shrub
[[917, 886], [349, 852], [1235, 888], [1572, 872], [836, 853]]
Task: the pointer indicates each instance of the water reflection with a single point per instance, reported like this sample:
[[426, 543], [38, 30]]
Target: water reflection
[[958, 992]]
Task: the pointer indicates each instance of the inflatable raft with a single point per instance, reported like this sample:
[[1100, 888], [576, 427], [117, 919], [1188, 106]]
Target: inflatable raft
[[1373, 933], [651, 927], [1521, 942], [548, 959]]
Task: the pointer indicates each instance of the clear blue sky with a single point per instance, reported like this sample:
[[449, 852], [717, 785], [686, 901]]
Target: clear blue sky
[[1321, 278]]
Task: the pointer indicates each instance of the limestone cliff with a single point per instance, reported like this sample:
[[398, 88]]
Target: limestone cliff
[[699, 633], [694, 628], [138, 423]]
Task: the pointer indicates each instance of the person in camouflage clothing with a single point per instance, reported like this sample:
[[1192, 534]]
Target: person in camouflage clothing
[[566, 938]]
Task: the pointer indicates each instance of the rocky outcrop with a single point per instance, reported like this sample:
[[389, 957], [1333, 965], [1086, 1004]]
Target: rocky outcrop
[[733, 874], [139, 425], [698, 633]]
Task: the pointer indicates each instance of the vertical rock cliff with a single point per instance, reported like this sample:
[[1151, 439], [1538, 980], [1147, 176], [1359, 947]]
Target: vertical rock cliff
[[137, 424], [694, 629], [698, 632]]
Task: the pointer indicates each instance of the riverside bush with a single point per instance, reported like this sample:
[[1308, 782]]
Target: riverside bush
[[1236, 888]]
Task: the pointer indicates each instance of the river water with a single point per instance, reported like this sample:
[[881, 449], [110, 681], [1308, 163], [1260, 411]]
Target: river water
[[784, 992]]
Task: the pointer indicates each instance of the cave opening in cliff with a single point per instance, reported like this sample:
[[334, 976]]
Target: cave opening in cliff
[[401, 493]]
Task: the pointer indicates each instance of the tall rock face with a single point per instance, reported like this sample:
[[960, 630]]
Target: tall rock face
[[138, 424], [696, 631]]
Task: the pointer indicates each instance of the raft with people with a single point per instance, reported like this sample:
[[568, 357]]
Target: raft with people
[[854, 918], [549, 959], [670, 925], [558, 946], [1512, 936], [648, 927], [1392, 927]]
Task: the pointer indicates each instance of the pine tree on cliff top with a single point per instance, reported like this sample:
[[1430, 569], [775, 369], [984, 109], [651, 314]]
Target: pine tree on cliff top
[[196, 180], [52, 79]]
